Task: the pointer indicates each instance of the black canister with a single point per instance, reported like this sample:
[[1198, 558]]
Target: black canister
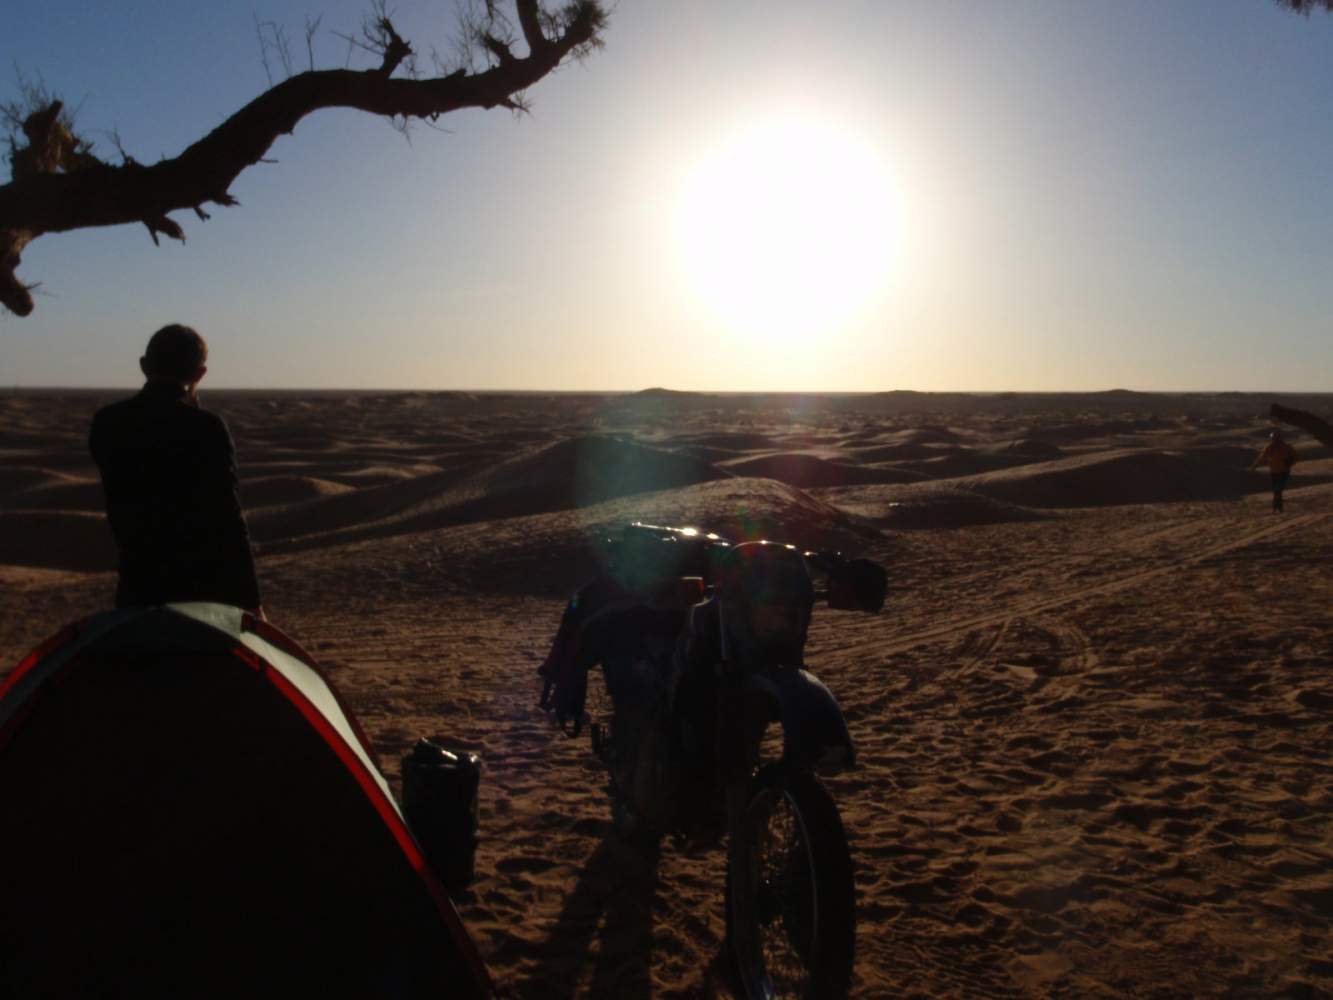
[[440, 806]]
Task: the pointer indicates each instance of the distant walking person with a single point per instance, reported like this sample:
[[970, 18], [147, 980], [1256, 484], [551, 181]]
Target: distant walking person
[[1280, 457], [169, 475]]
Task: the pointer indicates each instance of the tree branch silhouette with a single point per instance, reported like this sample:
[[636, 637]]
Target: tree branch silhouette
[[1318, 427], [1305, 6], [58, 185]]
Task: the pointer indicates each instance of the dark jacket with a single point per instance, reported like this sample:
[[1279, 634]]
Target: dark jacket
[[169, 475]]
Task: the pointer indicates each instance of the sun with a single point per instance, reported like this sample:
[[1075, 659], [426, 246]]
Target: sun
[[786, 228]]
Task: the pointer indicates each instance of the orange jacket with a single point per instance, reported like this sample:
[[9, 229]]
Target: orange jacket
[[1279, 455]]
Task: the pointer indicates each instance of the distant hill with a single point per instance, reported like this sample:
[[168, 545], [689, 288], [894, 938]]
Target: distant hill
[[657, 392]]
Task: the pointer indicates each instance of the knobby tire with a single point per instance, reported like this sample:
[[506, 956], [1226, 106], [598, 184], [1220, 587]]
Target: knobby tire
[[824, 939]]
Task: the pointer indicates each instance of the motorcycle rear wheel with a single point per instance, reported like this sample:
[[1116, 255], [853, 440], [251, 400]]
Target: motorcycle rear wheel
[[791, 904]]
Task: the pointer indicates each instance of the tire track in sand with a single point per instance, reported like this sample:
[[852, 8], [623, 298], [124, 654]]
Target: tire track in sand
[[1038, 607]]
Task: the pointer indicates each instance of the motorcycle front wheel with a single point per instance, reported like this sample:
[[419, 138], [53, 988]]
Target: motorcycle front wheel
[[791, 905]]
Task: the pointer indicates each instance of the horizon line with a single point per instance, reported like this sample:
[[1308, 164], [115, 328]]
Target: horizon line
[[205, 390]]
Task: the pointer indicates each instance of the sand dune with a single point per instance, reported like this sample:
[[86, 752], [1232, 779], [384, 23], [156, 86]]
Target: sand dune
[[75, 456], [1031, 447], [930, 506], [56, 539], [928, 434], [272, 491], [903, 451], [379, 475], [354, 472], [65, 494], [579, 472], [23, 440], [336, 456], [1121, 477], [484, 448], [869, 432], [520, 436], [353, 509], [960, 462], [1092, 722], [732, 441], [17, 478], [586, 470], [713, 456], [1100, 428], [798, 469], [302, 441]]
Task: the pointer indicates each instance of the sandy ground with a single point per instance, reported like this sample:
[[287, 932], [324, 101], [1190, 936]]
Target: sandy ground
[[1093, 720]]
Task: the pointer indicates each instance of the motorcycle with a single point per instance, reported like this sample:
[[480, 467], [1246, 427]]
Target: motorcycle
[[701, 642]]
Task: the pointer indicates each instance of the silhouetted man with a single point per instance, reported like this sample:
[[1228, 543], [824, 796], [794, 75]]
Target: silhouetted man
[[169, 475]]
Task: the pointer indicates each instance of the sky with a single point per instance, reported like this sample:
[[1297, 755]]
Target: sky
[[757, 195]]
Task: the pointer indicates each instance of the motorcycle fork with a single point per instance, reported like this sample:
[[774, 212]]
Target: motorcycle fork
[[742, 717]]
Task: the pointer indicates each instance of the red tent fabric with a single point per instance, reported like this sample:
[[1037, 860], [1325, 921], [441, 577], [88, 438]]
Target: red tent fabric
[[187, 809]]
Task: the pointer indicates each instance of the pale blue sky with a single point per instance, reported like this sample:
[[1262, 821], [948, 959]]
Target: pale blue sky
[[1063, 194]]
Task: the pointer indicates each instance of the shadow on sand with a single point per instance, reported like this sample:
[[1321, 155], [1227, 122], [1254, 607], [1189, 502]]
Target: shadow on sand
[[607, 922], [601, 946]]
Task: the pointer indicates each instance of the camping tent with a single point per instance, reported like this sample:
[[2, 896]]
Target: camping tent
[[186, 808]]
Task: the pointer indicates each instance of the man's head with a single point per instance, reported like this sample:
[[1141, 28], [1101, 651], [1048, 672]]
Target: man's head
[[1276, 435], [175, 353]]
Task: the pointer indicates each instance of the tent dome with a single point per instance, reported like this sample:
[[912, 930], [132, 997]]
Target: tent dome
[[190, 810]]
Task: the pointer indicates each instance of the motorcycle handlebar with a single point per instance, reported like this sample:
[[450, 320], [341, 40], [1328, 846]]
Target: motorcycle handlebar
[[852, 584]]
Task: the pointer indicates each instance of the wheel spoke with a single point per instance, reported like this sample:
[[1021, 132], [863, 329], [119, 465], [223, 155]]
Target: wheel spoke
[[780, 895], [792, 903]]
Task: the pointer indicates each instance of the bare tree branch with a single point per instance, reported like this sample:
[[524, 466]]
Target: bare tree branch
[[379, 38], [529, 20], [1305, 6], [395, 49], [1317, 426], [263, 50], [311, 29], [161, 224], [273, 38], [57, 184]]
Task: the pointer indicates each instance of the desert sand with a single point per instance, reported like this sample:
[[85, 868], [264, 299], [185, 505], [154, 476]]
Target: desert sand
[[1094, 718]]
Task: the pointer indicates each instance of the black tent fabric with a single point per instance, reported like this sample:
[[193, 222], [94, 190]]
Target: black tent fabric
[[187, 809]]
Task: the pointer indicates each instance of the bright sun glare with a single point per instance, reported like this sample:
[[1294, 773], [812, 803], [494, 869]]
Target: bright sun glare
[[787, 228]]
